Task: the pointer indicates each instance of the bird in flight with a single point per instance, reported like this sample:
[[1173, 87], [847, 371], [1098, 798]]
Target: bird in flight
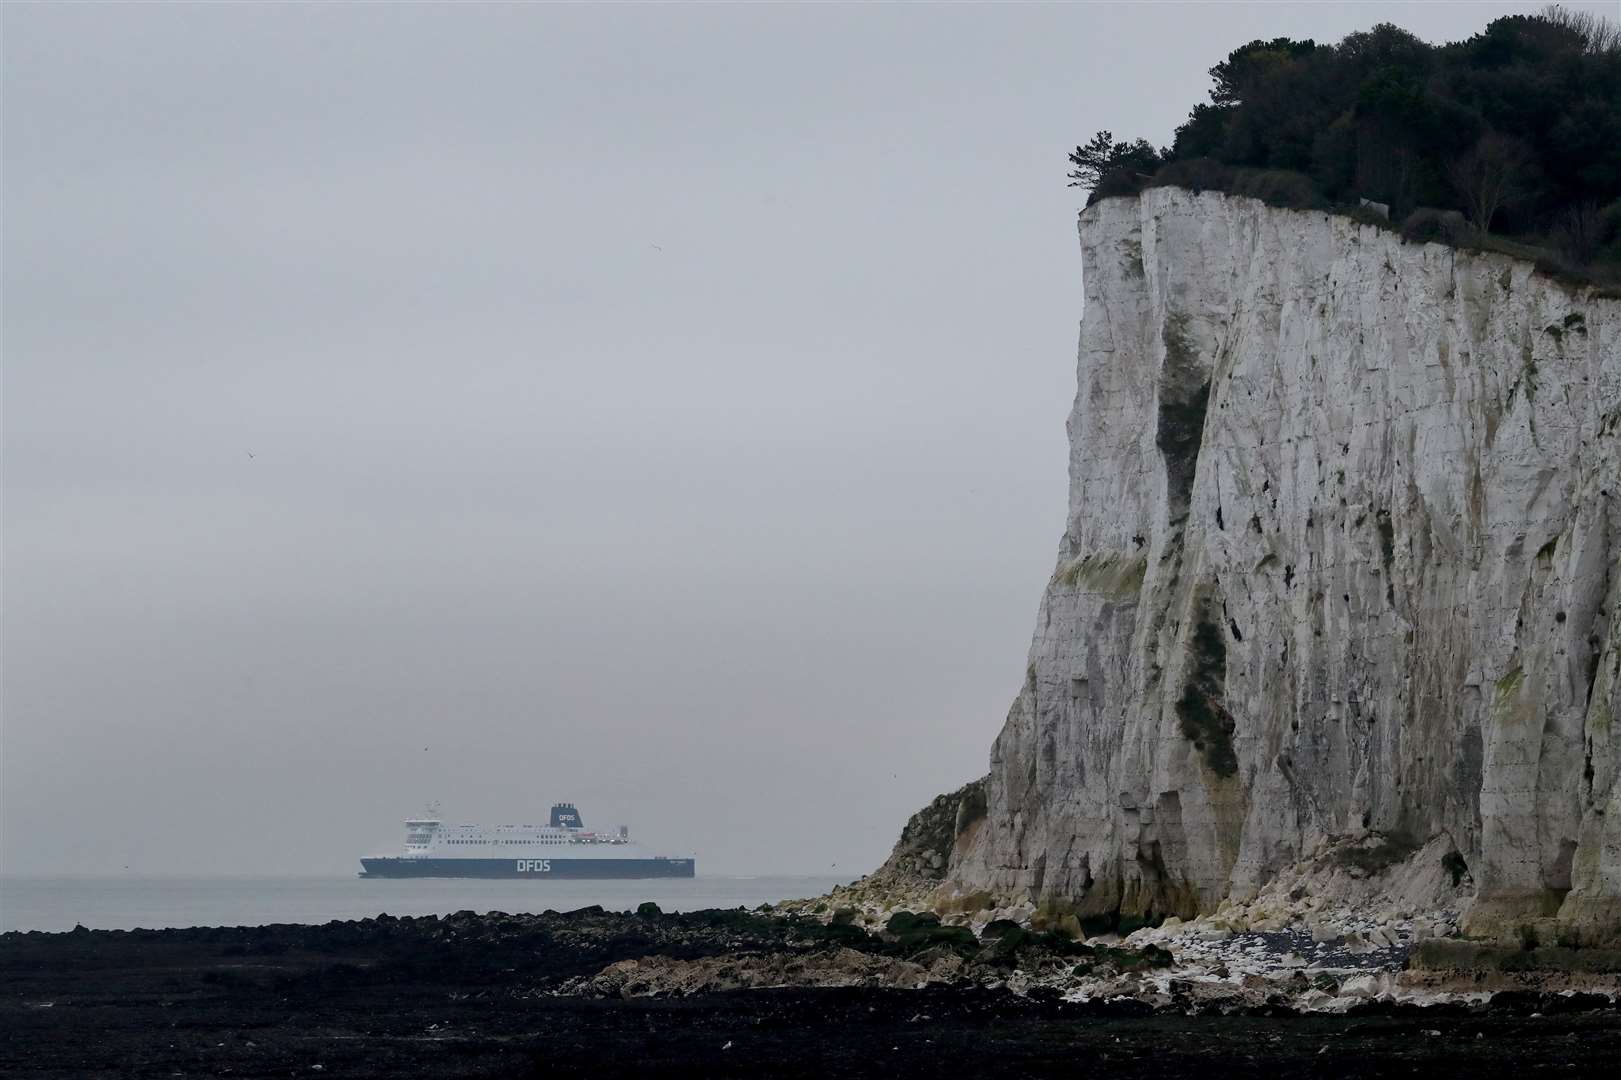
[[655, 247], [250, 454]]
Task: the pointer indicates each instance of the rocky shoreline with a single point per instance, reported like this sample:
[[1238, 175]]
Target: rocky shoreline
[[707, 993]]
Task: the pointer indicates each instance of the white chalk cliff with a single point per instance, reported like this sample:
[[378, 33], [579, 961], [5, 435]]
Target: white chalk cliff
[[1341, 562]]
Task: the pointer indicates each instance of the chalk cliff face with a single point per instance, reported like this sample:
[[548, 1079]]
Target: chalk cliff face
[[1341, 561]]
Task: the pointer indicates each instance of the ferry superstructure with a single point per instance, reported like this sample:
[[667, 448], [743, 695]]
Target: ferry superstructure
[[562, 848]]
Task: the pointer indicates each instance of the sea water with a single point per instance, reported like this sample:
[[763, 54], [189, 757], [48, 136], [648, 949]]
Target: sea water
[[127, 903]]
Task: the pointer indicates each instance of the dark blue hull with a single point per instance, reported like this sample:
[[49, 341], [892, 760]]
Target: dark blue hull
[[534, 869]]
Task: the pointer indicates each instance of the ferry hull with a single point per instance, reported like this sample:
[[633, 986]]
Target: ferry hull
[[533, 869]]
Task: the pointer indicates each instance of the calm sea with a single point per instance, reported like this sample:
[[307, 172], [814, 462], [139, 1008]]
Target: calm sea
[[155, 903]]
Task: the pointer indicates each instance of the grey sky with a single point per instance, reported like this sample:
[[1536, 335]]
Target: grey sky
[[660, 408]]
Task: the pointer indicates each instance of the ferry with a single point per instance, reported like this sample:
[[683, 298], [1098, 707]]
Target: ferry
[[562, 848]]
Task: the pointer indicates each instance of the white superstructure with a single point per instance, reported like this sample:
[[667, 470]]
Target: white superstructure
[[565, 836], [432, 838]]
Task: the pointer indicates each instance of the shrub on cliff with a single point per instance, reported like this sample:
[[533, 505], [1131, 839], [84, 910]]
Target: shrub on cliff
[[1117, 183], [1442, 226], [1195, 174], [1279, 187]]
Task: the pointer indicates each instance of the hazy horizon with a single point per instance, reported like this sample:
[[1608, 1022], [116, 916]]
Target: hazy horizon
[[655, 408]]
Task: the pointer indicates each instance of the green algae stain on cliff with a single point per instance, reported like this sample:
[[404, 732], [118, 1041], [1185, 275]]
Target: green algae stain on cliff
[[1115, 575], [1202, 710], [1509, 704]]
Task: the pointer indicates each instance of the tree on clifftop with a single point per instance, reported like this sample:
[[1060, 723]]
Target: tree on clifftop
[[1103, 155], [1493, 172]]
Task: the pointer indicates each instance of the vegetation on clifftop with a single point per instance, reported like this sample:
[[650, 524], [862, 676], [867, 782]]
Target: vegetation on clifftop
[[1514, 132]]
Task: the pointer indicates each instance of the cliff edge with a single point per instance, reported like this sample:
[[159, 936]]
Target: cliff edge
[[1339, 585]]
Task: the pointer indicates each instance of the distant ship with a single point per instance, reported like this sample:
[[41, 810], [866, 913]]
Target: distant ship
[[561, 849]]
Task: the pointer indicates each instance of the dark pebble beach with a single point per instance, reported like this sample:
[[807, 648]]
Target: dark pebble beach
[[498, 995]]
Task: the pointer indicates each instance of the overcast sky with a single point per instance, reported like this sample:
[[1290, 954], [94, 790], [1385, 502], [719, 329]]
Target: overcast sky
[[660, 408]]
